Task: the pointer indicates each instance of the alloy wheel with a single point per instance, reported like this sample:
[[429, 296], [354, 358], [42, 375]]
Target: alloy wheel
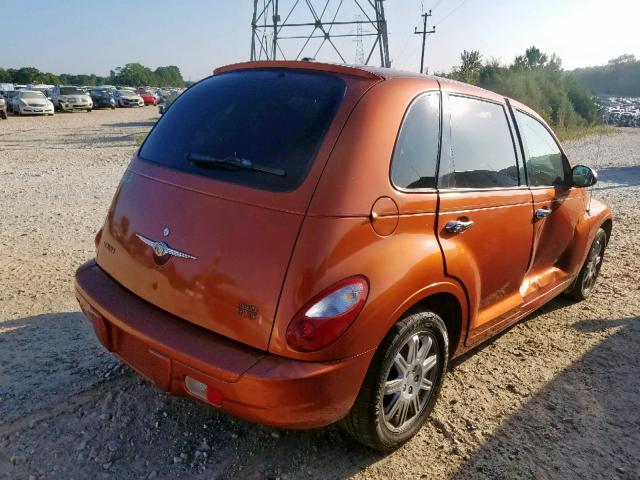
[[409, 382], [592, 267]]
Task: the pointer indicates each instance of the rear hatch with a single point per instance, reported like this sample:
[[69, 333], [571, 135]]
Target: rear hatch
[[206, 217]]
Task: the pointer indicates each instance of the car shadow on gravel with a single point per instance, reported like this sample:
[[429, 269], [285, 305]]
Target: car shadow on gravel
[[618, 177], [148, 124], [102, 419], [545, 438]]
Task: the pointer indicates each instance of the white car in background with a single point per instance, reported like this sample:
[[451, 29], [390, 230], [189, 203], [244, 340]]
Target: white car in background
[[69, 98], [31, 102], [128, 98]]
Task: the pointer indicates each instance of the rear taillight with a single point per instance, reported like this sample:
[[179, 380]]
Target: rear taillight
[[328, 315], [98, 238]]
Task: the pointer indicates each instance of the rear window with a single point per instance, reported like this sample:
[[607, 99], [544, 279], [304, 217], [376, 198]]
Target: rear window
[[271, 118]]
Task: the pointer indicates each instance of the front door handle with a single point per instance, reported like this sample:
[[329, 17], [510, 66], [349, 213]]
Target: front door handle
[[458, 226], [543, 212]]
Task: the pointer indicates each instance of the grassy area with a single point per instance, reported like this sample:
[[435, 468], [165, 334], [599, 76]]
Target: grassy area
[[575, 133], [138, 138]]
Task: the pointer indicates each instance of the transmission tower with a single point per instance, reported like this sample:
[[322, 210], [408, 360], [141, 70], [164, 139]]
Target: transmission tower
[[311, 25], [359, 43]]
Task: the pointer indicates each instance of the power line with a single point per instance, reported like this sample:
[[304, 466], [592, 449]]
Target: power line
[[452, 12], [424, 32]]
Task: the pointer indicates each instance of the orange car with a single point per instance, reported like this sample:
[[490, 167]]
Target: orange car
[[299, 243]]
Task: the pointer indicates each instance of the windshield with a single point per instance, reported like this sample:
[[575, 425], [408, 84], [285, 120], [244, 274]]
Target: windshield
[[100, 93], [32, 95], [273, 117], [70, 91]]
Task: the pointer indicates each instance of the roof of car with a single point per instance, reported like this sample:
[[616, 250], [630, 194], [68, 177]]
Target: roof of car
[[374, 73]]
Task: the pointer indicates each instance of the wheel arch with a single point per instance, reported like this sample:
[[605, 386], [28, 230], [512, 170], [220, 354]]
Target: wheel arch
[[448, 301]]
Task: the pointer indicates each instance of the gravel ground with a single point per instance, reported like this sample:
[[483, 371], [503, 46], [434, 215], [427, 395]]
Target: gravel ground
[[556, 396]]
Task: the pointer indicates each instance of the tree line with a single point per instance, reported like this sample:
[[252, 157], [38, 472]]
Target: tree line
[[620, 76], [132, 74], [535, 79]]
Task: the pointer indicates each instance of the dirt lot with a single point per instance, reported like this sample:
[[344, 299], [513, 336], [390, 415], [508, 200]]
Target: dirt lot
[[556, 396]]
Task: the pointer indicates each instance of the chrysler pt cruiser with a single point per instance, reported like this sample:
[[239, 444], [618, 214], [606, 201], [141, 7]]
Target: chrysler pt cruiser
[[298, 243]]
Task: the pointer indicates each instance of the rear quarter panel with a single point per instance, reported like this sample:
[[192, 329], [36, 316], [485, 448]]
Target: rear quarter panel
[[337, 239]]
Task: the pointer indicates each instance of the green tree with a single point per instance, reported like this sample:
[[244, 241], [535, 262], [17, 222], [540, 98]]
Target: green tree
[[537, 80], [168, 76], [470, 65], [26, 75], [5, 76], [620, 76], [532, 59], [134, 74]]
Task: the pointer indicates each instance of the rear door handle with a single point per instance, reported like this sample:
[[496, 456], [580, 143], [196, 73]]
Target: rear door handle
[[458, 226], [543, 212]]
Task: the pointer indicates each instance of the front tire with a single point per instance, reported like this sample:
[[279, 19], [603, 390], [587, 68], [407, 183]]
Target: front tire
[[583, 285], [402, 383]]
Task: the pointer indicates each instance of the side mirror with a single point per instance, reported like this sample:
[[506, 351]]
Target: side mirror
[[583, 176]]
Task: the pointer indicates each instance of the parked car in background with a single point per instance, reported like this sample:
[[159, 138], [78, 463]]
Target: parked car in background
[[3, 108], [9, 96], [127, 98], [167, 98], [102, 98], [67, 98], [301, 243], [149, 98], [31, 102]]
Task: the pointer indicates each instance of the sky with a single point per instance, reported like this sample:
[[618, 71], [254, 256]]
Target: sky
[[79, 36]]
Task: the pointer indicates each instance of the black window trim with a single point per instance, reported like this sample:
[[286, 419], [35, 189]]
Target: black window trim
[[525, 149], [513, 141], [438, 153]]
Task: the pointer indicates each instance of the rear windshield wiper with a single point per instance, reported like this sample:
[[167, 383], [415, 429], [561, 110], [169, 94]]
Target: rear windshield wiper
[[233, 162]]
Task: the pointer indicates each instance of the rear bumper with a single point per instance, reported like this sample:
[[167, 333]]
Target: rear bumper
[[255, 385]]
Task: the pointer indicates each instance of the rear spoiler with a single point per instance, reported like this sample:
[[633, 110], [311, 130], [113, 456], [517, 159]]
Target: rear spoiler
[[353, 71]]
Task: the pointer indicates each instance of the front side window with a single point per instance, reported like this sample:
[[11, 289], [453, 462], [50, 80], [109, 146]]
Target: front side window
[[545, 165], [415, 156], [478, 149]]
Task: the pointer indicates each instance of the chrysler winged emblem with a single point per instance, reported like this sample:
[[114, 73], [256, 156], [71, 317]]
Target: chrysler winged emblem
[[160, 249]]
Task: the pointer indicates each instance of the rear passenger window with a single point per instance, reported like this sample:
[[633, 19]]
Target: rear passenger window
[[545, 165], [478, 149], [416, 154]]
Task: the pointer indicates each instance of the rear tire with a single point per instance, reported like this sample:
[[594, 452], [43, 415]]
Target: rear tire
[[586, 280], [402, 383]]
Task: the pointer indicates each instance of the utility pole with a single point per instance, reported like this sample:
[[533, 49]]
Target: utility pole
[[424, 34]]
